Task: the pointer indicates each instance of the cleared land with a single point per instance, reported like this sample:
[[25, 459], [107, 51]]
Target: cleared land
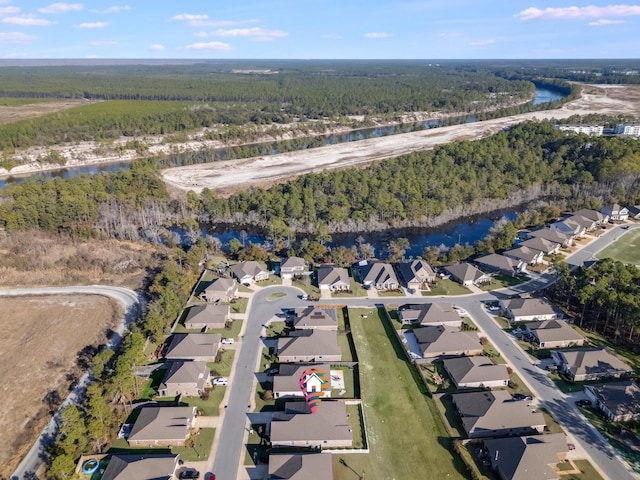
[[227, 177], [39, 356], [624, 249], [11, 110]]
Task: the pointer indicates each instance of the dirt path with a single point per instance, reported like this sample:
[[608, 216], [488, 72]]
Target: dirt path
[[227, 177]]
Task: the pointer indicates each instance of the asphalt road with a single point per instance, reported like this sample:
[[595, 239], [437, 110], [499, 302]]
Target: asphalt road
[[131, 306]]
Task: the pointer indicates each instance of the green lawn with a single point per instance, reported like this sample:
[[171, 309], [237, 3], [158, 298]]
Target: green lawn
[[239, 305], [502, 281], [404, 428], [304, 283], [209, 407], [356, 291], [275, 296], [269, 282], [223, 367], [356, 423], [232, 332], [277, 329], [151, 387], [391, 293], [446, 287], [624, 249]]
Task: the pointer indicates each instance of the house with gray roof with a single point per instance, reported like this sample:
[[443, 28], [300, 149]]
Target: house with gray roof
[[298, 427], [529, 309], [582, 364], [552, 235], [634, 211], [300, 466], [291, 266], [141, 467], [467, 274], [205, 317], [585, 222], [185, 378], [442, 341], [379, 275], [547, 247], [193, 346], [249, 272], [495, 413], [430, 314], [616, 212], [570, 227], [162, 426], [315, 318], [220, 290], [593, 215], [334, 279], [416, 274], [619, 401], [525, 254], [494, 262], [309, 346], [286, 384], [554, 334], [476, 372], [529, 457]]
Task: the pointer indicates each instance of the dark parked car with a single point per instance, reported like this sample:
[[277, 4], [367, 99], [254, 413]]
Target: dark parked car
[[190, 474], [583, 403]]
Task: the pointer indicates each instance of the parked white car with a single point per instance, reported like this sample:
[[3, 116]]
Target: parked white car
[[220, 381], [227, 341], [461, 312]]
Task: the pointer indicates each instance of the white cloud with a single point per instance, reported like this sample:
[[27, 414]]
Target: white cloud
[[92, 25], [27, 20], [377, 35], [156, 47], [189, 17], [92, 57], [449, 34], [219, 46], [16, 37], [478, 43], [61, 8], [9, 10], [256, 33], [202, 20], [603, 22], [591, 11], [333, 36], [103, 43], [114, 9]]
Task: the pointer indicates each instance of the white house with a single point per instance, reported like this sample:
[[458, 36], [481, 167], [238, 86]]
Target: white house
[[616, 212]]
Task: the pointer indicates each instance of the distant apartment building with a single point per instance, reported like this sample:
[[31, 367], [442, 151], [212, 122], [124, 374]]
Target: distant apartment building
[[630, 130], [593, 130]]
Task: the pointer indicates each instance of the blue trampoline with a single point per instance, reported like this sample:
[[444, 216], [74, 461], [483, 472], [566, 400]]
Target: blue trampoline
[[90, 466]]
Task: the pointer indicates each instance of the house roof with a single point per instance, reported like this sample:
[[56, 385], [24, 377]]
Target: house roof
[[415, 271], [474, 370], [634, 210], [300, 466], [288, 378], [554, 331], [378, 273], [464, 272], [162, 423], [443, 340], [309, 342], [180, 371], [220, 285], [207, 314], [141, 467], [297, 423], [193, 345], [292, 262], [612, 209], [524, 253], [429, 313], [525, 307], [525, 458], [494, 410], [550, 234], [592, 215], [249, 268], [330, 275], [311, 316], [620, 398], [540, 244], [494, 260], [589, 361]]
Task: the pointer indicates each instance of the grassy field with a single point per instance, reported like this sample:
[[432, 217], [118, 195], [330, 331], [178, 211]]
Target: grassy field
[[624, 249], [404, 429], [201, 451], [446, 287]]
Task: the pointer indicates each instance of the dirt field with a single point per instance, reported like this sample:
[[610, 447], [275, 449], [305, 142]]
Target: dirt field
[[13, 114], [37, 355], [227, 177]]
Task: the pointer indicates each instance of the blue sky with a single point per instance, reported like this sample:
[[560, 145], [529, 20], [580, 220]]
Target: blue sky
[[430, 29]]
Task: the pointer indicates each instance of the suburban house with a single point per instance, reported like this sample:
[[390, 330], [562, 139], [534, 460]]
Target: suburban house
[[467, 274], [220, 290], [619, 401], [476, 372], [379, 275], [547, 247], [309, 346], [430, 314], [300, 466], [334, 279], [440, 341], [494, 262], [249, 271], [616, 212], [126, 467], [634, 212], [585, 222], [292, 266], [193, 346], [162, 426], [590, 364], [570, 227], [529, 309], [553, 235], [315, 318], [554, 334], [287, 383], [525, 254], [297, 427], [524, 458], [496, 413], [204, 317], [593, 215], [416, 274], [185, 378]]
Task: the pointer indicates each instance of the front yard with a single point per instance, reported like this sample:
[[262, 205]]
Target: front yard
[[503, 281], [446, 287]]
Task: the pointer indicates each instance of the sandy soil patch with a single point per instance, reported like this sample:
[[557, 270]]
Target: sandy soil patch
[[38, 355], [13, 114], [227, 177]]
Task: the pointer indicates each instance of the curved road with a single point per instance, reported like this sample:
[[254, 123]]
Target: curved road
[[131, 306]]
